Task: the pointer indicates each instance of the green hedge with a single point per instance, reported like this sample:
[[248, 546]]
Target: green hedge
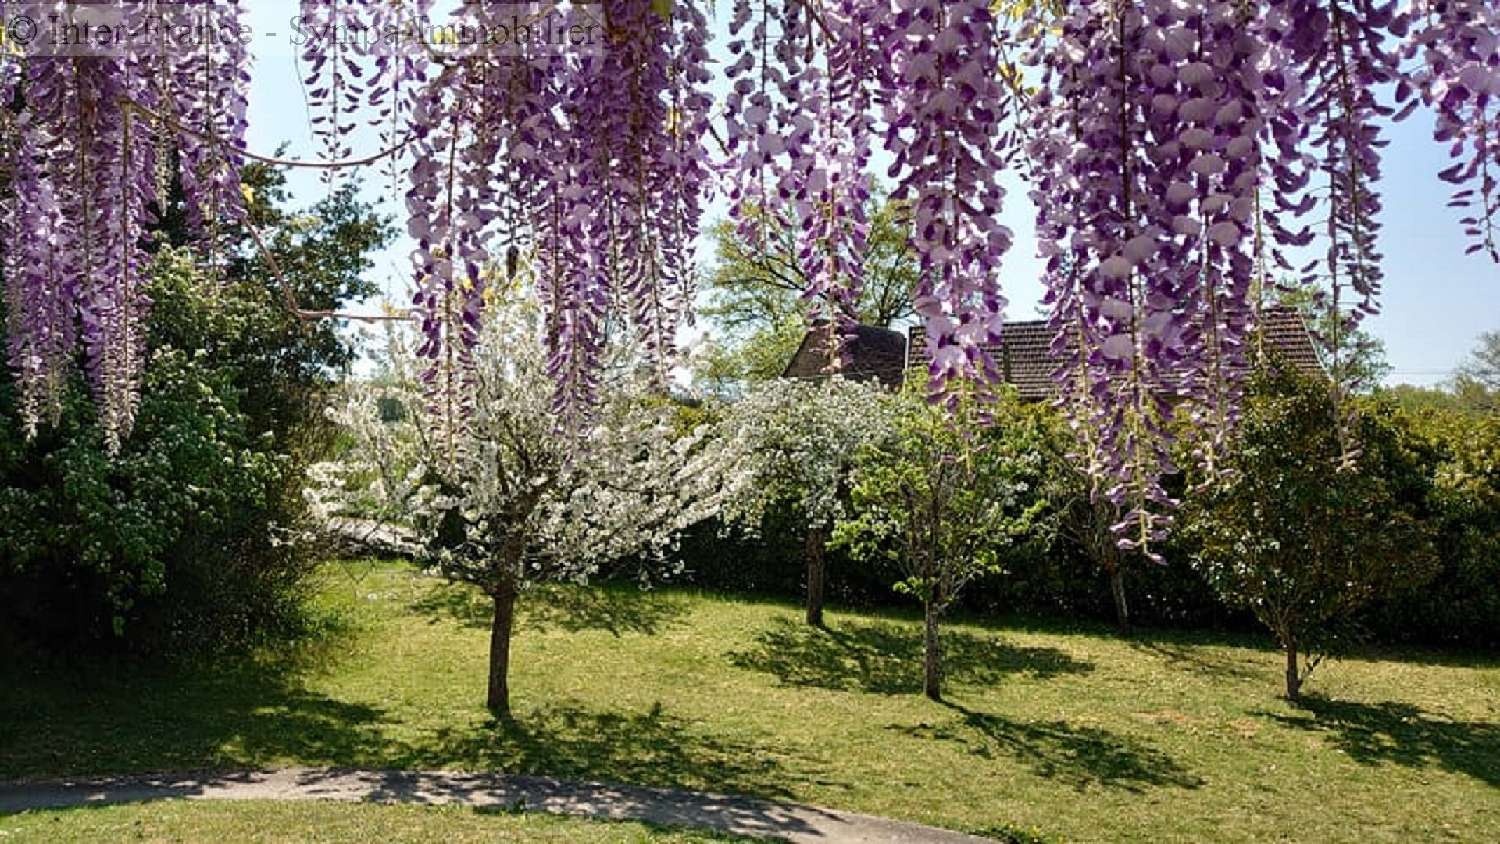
[[1456, 456], [1461, 604]]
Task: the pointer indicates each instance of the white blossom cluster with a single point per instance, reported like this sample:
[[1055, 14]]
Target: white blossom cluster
[[513, 496], [798, 441]]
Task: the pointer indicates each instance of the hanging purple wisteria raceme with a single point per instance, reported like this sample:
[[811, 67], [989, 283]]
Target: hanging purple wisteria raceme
[[584, 162], [1325, 116], [1183, 157], [832, 192], [1182, 150], [942, 110], [40, 289], [814, 86], [1146, 167], [1456, 47], [90, 129]]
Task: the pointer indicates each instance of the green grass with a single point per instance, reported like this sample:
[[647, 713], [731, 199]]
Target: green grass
[[327, 823], [1070, 731]]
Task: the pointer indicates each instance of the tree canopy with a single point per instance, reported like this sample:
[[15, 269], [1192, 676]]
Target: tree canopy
[[755, 296]]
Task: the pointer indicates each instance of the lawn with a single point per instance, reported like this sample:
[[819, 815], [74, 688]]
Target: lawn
[[1067, 730], [326, 823]]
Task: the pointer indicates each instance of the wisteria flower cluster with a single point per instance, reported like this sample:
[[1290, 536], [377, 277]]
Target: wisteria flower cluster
[[814, 87], [1189, 156], [1147, 168], [86, 138], [1183, 155]]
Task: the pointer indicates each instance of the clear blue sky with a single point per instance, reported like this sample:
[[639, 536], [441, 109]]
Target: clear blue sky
[[1436, 302]]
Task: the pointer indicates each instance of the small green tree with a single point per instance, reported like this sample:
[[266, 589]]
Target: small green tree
[[1295, 535], [944, 496], [1478, 381], [1483, 365]]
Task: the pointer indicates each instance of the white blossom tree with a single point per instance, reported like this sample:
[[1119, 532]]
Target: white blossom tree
[[513, 498], [798, 440]]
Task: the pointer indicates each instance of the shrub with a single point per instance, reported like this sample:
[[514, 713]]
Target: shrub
[[177, 544], [181, 544], [945, 498], [1461, 604], [1300, 534], [1441, 463]]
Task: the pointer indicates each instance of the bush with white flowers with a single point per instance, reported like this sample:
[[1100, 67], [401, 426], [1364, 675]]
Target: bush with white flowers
[[799, 439]]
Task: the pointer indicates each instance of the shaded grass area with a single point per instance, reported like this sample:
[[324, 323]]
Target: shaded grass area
[[1063, 729], [1402, 734], [613, 610], [884, 658], [329, 823], [1078, 757]]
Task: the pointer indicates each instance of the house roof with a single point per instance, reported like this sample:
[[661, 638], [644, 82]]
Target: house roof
[[870, 353], [1024, 353], [1027, 361], [1286, 331]]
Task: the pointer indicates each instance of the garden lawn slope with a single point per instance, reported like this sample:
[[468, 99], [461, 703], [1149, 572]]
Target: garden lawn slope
[[1075, 733], [326, 823]]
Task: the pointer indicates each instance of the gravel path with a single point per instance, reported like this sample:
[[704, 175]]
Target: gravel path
[[737, 815]]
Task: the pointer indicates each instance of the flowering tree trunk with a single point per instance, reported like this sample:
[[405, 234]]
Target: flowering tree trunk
[[1117, 589], [1293, 674], [498, 699], [504, 589], [932, 653], [1101, 546], [816, 552]]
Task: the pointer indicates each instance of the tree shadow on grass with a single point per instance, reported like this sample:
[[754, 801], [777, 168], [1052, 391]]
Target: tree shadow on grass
[[459, 602], [256, 714], [652, 748], [615, 610], [1080, 757], [886, 658], [237, 713], [1402, 734], [1195, 658]]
